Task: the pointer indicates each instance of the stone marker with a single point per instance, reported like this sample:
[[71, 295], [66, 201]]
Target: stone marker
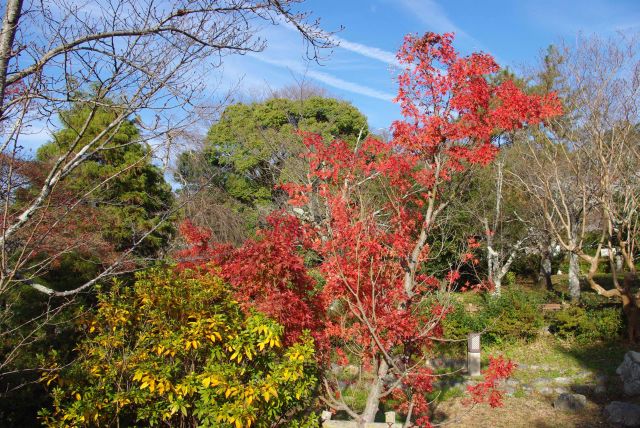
[[473, 354]]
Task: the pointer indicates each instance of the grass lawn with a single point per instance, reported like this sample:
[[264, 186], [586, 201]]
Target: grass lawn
[[546, 357]]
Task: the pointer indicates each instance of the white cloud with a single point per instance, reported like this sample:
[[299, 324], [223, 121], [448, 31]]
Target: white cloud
[[327, 79], [358, 48], [368, 51]]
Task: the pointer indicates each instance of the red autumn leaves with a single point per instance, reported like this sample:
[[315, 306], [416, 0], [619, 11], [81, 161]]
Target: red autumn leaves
[[372, 204]]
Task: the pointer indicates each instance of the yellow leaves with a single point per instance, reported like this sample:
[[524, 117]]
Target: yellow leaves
[[210, 381], [160, 386], [183, 390], [231, 391], [296, 356], [163, 386], [249, 394], [214, 336], [237, 421], [49, 376], [269, 391], [190, 343], [206, 382], [93, 326], [237, 355], [269, 338], [95, 370]]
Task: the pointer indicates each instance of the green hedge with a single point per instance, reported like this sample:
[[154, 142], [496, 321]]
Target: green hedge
[[512, 316], [517, 315]]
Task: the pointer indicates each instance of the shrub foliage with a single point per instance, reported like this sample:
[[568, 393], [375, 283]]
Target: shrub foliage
[[177, 349]]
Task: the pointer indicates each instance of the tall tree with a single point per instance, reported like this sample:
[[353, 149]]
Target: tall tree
[[254, 147], [130, 193], [377, 299]]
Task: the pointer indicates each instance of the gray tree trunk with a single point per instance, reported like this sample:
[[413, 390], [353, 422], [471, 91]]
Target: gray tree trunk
[[545, 270], [373, 399], [574, 277], [497, 286], [12, 13]]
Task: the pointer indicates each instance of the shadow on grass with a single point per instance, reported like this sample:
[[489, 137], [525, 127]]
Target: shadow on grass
[[599, 357]]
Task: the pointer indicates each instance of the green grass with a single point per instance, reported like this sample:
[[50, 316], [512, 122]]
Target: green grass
[[561, 358]]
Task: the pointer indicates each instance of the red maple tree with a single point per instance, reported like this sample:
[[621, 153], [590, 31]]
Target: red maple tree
[[367, 212]]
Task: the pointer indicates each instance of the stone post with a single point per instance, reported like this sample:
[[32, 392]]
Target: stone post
[[473, 354], [390, 417]]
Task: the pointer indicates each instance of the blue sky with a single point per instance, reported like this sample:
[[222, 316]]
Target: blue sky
[[361, 71]]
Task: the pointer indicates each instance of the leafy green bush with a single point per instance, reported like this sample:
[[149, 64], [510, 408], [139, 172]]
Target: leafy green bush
[[587, 325], [176, 350], [512, 316], [459, 322], [510, 278], [570, 322]]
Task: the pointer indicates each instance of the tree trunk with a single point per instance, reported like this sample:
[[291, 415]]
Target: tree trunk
[[13, 9], [497, 285], [545, 270], [373, 399], [574, 277]]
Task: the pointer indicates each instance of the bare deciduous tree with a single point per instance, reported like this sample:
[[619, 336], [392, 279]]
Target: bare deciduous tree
[[583, 168], [149, 61]]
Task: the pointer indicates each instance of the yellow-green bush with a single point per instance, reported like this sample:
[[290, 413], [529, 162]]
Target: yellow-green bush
[[175, 349]]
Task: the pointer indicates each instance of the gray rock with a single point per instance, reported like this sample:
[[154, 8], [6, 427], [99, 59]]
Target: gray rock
[[625, 414], [510, 390], [629, 372], [570, 402], [600, 390], [560, 390], [582, 389], [541, 381], [562, 381], [546, 391]]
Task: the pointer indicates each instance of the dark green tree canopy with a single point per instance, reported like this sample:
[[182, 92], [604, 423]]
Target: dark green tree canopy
[[120, 181]]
